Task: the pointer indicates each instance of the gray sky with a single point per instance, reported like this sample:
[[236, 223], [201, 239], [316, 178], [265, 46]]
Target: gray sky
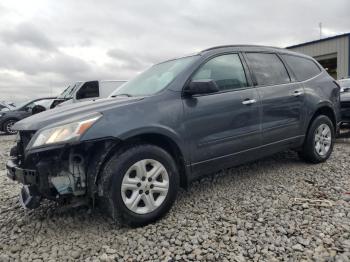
[[44, 45]]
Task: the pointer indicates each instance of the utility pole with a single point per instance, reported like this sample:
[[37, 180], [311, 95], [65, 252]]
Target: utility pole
[[320, 25]]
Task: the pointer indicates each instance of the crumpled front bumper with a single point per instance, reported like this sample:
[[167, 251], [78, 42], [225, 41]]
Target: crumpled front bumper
[[35, 177], [23, 176], [29, 196]]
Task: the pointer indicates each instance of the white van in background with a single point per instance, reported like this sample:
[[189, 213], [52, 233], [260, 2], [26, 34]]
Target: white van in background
[[84, 91]]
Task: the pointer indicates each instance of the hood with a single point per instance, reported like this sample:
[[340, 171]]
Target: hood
[[72, 112], [345, 96]]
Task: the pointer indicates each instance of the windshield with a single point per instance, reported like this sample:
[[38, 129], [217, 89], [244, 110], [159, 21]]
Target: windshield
[[21, 105], [344, 83], [43, 102], [68, 92], [154, 79]]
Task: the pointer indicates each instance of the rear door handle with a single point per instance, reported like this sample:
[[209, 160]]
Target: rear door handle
[[297, 93], [249, 101]]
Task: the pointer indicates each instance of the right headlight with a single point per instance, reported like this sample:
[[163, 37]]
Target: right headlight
[[64, 133]]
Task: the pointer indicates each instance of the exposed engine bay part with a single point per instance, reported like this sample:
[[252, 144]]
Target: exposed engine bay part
[[73, 179]]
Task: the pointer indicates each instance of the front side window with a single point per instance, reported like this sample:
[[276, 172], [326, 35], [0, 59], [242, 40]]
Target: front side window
[[226, 71], [89, 90], [29, 106], [268, 69], [303, 68]]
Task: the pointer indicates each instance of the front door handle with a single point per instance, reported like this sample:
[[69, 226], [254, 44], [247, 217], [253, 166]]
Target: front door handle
[[297, 93], [249, 101]]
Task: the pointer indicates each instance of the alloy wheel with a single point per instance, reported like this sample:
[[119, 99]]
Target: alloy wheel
[[8, 127], [323, 139], [145, 186]]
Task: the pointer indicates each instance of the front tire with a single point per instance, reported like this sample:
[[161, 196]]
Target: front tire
[[142, 184], [319, 142]]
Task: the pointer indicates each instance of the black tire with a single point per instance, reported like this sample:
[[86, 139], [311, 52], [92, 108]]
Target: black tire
[[309, 152], [114, 172], [7, 127]]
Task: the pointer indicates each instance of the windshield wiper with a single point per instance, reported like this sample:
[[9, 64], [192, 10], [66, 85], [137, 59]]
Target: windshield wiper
[[128, 95]]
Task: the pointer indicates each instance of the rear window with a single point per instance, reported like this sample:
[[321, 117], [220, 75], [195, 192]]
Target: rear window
[[303, 68], [268, 69]]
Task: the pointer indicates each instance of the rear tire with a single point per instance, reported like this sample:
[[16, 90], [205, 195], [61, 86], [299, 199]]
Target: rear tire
[[140, 184], [319, 141], [8, 127]]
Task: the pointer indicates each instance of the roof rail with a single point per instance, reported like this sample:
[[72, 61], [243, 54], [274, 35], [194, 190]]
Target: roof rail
[[224, 46]]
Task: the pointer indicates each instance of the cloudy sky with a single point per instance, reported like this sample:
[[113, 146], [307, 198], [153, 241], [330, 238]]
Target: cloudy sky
[[44, 45]]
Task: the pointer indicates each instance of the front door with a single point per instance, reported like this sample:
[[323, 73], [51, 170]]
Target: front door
[[224, 124]]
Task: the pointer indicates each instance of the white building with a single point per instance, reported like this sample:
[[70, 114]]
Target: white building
[[333, 53]]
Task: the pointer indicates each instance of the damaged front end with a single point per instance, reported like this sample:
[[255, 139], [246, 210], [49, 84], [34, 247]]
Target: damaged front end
[[61, 171], [58, 174]]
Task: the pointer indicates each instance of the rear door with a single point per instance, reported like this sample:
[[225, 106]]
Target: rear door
[[221, 125], [281, 99]]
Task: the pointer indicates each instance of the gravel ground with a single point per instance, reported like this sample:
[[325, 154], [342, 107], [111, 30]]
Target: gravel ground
[[255, 212]]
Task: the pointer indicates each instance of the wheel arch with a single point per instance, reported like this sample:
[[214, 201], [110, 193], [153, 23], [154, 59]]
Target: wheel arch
[[324, 109], [168, 144], [106, 149], [8, 119]]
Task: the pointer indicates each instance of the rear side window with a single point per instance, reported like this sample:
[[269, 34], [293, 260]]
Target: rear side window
[[226, 70], [268, 69], [303, 68]]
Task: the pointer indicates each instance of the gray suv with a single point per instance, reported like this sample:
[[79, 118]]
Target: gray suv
[[174, 123]]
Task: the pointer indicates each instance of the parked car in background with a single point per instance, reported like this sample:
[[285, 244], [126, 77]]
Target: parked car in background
[[345, 100], [6, 106], [9, 118], [84, 91], [177, 121], [344, 85]]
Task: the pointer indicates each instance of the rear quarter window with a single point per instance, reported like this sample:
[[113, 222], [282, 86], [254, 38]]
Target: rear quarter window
[[303, 68]]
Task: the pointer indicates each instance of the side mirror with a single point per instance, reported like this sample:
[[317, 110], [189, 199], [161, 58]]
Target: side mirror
[[205, 86]]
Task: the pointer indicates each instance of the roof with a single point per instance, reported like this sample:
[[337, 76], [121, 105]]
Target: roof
[[319, 40], [250, 48], [240, 48]]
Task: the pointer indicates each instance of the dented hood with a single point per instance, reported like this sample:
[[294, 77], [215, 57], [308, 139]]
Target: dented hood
[[74, 111]]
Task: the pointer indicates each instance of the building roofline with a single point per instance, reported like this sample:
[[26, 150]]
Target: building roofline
[[319, 40]]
